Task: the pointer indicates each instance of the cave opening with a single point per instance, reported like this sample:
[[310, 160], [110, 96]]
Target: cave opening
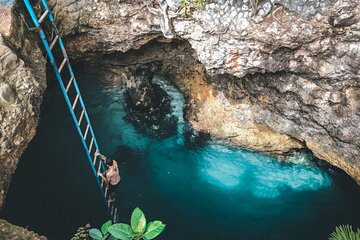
[[140, 106]]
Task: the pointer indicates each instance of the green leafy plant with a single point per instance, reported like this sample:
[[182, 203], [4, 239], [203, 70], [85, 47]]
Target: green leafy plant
[[345, 232], [103, 234], [189, 5], [138, 229]]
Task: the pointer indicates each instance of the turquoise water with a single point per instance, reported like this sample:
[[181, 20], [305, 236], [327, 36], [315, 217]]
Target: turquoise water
[[212, 192]]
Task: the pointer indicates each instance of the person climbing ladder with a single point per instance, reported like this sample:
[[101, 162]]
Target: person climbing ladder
[[111, 175]]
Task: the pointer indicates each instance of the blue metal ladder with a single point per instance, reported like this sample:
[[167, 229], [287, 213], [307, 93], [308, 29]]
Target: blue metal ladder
[[96, 163]]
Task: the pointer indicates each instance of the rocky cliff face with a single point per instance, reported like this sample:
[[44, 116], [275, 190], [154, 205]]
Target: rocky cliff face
[[22, 82], [292, 68], [280, 75]]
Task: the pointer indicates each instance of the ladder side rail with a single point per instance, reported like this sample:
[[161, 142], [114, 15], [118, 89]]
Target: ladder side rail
[[77, 89], [86, 115], [62, 48], [48, 49], [58, 76], [82, 104]]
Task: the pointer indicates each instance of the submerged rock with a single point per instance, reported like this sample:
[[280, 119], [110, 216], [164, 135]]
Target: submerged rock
[[149, 107], [194, 139]]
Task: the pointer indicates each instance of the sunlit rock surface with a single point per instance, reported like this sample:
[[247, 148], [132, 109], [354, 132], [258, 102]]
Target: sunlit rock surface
[[292, 67], [279, 75], [22, 83], [104, 27]]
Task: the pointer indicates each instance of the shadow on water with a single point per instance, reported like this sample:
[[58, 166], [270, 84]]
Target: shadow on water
[[208, 192]]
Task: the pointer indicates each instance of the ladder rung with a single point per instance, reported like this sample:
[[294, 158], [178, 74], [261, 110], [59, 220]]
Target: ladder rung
[[86, 131], [66, 61], [75, 101], [81, 116], [43, 16], [54, 41], [91, 144], [62, 65], [69, 83], [99, 167], [94, 160]]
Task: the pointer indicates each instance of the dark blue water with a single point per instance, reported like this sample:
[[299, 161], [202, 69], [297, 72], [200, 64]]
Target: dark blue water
[[213, 192]]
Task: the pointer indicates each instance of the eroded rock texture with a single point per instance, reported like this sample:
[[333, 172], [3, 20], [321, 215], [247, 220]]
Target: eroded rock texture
[[292, 68], [280, 75], [22, 82], [9, 231], [99, 27]]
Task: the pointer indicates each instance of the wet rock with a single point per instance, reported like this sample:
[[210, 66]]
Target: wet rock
[[194, 139], [149, 107]]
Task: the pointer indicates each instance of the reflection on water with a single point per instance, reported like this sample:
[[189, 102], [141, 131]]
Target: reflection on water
[[213, 192]]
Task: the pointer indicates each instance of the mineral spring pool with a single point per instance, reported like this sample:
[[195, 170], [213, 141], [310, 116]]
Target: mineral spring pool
[[211, 192]]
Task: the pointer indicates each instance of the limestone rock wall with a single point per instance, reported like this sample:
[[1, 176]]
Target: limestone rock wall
[[280, 74], [292, 67], [103, 27], [22, 83]]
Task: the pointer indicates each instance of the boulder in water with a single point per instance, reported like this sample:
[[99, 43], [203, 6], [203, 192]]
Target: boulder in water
[[148, 106]]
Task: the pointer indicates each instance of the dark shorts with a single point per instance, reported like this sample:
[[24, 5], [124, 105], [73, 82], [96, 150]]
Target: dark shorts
[[112, 188]]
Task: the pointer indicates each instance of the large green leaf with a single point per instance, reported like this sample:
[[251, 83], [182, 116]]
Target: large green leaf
[[111, 237], [138, 221], [105, 226], [95, 234], [121, 231], [153, 229]]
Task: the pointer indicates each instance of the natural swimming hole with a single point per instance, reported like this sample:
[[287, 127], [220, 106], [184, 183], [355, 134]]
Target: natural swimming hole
[[209, 192]]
